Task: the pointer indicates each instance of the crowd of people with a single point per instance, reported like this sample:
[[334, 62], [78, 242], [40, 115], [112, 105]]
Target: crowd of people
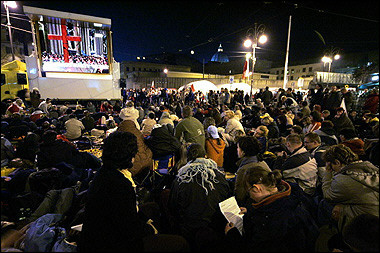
[[147, 172]]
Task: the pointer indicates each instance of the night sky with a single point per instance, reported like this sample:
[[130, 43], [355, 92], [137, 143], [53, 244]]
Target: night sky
[[141, 28]]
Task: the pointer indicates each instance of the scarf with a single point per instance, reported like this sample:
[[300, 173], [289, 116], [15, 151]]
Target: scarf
[[202, 167]]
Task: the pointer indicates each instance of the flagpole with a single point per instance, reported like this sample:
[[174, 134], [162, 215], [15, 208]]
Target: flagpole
[[287, 56]]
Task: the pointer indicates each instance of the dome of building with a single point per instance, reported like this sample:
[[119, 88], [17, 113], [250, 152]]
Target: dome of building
[[220, 56]]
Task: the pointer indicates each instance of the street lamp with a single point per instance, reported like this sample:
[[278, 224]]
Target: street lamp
[[330, 55], [257, 36], [11, 4]]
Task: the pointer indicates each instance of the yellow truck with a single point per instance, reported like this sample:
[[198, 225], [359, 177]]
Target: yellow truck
[[14, 77]]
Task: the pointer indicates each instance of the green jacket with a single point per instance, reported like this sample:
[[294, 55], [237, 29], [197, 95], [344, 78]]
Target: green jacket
[[190, 130]]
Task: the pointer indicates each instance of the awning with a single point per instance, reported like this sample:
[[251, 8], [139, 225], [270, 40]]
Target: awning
[[369, 85]]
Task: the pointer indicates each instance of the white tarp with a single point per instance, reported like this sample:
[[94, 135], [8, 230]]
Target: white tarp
[[204, 86]]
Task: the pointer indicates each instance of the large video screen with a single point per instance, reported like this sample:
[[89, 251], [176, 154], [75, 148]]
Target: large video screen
[[73, 46]]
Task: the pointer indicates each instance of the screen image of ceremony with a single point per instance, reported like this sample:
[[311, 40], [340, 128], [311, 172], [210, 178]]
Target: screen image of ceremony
[[73, 46]]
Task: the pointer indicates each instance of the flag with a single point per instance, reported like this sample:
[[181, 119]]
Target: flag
[[343, 105], [152, 85], [245, 74], [192, 87]]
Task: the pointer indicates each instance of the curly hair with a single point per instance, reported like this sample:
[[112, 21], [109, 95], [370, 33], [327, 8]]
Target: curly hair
[[118, 150], [341, 153]]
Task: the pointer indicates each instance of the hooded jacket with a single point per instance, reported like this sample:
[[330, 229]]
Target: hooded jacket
[[356, 187], [215, 151]]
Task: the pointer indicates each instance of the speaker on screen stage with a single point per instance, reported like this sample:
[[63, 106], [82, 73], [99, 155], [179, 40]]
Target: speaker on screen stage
[[123, 83]]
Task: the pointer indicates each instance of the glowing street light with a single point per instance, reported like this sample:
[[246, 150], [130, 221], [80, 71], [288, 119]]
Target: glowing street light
[[329, 55], [257, 36], [11, 4]]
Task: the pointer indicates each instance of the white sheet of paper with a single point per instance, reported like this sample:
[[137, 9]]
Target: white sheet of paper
[[230, 210]]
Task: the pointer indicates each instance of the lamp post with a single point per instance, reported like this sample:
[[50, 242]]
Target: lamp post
[[331, 54], [11, 4], [254, 38]]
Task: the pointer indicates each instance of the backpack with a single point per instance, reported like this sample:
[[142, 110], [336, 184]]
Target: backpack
[[46, 235]]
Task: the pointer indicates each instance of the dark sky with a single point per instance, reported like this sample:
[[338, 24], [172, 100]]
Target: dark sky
[[141, 28]]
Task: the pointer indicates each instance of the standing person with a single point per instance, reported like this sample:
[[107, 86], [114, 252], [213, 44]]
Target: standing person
[[318, 96], [267, 96], [35, 97], [334, 100], [276, 219], [195, 195], [189, 129]]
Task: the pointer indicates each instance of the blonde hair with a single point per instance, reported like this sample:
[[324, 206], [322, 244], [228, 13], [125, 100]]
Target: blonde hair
[[264, 129], [229, 114]]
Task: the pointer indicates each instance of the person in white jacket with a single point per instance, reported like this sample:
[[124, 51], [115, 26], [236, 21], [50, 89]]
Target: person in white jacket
[[129, 112]]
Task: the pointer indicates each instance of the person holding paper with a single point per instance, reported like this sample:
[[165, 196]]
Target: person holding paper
[[194, 199], [276, 219]]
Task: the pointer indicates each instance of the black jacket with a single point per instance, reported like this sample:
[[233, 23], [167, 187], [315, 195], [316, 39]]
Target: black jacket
[[111, 221]]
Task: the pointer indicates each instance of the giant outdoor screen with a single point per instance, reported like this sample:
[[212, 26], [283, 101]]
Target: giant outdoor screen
[[73, 46]]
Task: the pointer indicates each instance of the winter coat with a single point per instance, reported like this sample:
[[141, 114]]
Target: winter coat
[[191, 130], [215, 151], [280, 222], [333, 100], [232, 126], [356, 187], [143, 158], [301, 168], [111, 221], [342, 122], [162, 142], [195, 195]]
